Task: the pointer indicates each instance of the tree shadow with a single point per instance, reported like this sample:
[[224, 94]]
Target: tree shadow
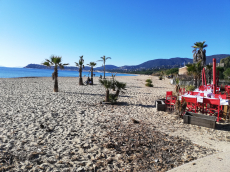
[[79, 93], [147, 106]]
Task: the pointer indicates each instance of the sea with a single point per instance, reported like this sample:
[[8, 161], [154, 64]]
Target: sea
[[12, 72]]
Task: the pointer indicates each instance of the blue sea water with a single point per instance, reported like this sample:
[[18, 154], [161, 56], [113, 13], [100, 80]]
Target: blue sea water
[[8, 72]]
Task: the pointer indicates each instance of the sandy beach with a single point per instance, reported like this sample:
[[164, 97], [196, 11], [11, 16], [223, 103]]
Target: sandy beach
[[72, 131]]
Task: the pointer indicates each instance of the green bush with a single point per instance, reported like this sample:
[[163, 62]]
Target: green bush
[[177, 81], [227, 73], [190, 88], [149, 84], [148, 80], [112, 98]]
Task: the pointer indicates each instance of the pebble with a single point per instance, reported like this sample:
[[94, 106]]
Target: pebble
[[46, 127]]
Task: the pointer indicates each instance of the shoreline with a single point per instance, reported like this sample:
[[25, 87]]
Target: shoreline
[[70, 76], [72, 130]]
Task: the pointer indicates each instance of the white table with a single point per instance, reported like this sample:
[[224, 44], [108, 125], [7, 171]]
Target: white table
[[200, 99]]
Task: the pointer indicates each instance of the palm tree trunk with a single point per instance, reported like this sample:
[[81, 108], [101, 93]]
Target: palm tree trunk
[[80, 76], [107, 96], [117, 93], [195, 82], [104, 70], [92, 75], [55, 79]]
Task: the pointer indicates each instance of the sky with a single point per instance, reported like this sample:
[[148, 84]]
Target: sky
[[129, 31]]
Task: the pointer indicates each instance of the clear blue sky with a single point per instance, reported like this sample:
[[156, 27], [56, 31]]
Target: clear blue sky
[[129, 31]]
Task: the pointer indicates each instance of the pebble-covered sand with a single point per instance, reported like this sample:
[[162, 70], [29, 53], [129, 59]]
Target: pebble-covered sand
[[72, 131]]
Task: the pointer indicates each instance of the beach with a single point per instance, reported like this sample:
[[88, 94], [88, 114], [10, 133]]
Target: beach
[[71, 130]]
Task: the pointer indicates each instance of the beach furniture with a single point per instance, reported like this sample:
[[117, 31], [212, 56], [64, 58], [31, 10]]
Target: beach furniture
[[170, 100], [212, 107], [192, 105]]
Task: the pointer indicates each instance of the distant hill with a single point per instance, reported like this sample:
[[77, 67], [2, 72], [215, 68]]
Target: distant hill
[[151, 64], [37, 66], [107, 67], [217, 56], [169, 63]]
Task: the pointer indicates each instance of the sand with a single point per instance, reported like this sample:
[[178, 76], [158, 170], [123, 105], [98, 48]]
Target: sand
[[43, 130]]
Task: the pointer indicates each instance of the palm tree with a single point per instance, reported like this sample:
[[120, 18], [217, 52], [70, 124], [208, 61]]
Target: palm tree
[[199, 52], [195, 70], [81, 66], [107, 84], [92, 64], [56, 62], [209, 67], [104, 60], [120, 86]]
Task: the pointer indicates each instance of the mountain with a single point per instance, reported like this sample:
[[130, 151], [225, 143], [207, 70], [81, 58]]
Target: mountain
[[37, 66], [168, 63], [217, 56], [107, 67], [151, 64]]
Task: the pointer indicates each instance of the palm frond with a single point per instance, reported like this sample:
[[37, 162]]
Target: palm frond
[[46, 64], [92, 64], [61, 66], [106, 83]]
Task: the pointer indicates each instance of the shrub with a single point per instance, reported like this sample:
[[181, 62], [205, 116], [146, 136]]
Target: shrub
[[177, 81], [148, 80], [148, 84], [190, 88], [112, 98]]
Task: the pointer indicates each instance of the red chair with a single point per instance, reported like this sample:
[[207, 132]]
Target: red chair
[[201, 88], [227, 89], [168, 93], [170, 100], [192, 105], [212, 107], [182, 91]]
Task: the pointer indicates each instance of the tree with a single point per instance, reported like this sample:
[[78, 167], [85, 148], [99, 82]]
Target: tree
[[220, 70], [172, 71], [209, 67], [195, 70], [81, 66], [107, 84], [120, 86], [226, 62], [56, 62], [92, 64], [227, 73], [199, 53], [104, 60]]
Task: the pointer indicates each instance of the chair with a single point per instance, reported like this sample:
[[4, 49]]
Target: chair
[[212, 107], [192, 105], [227, 89], [170, 100], [201, 88]]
